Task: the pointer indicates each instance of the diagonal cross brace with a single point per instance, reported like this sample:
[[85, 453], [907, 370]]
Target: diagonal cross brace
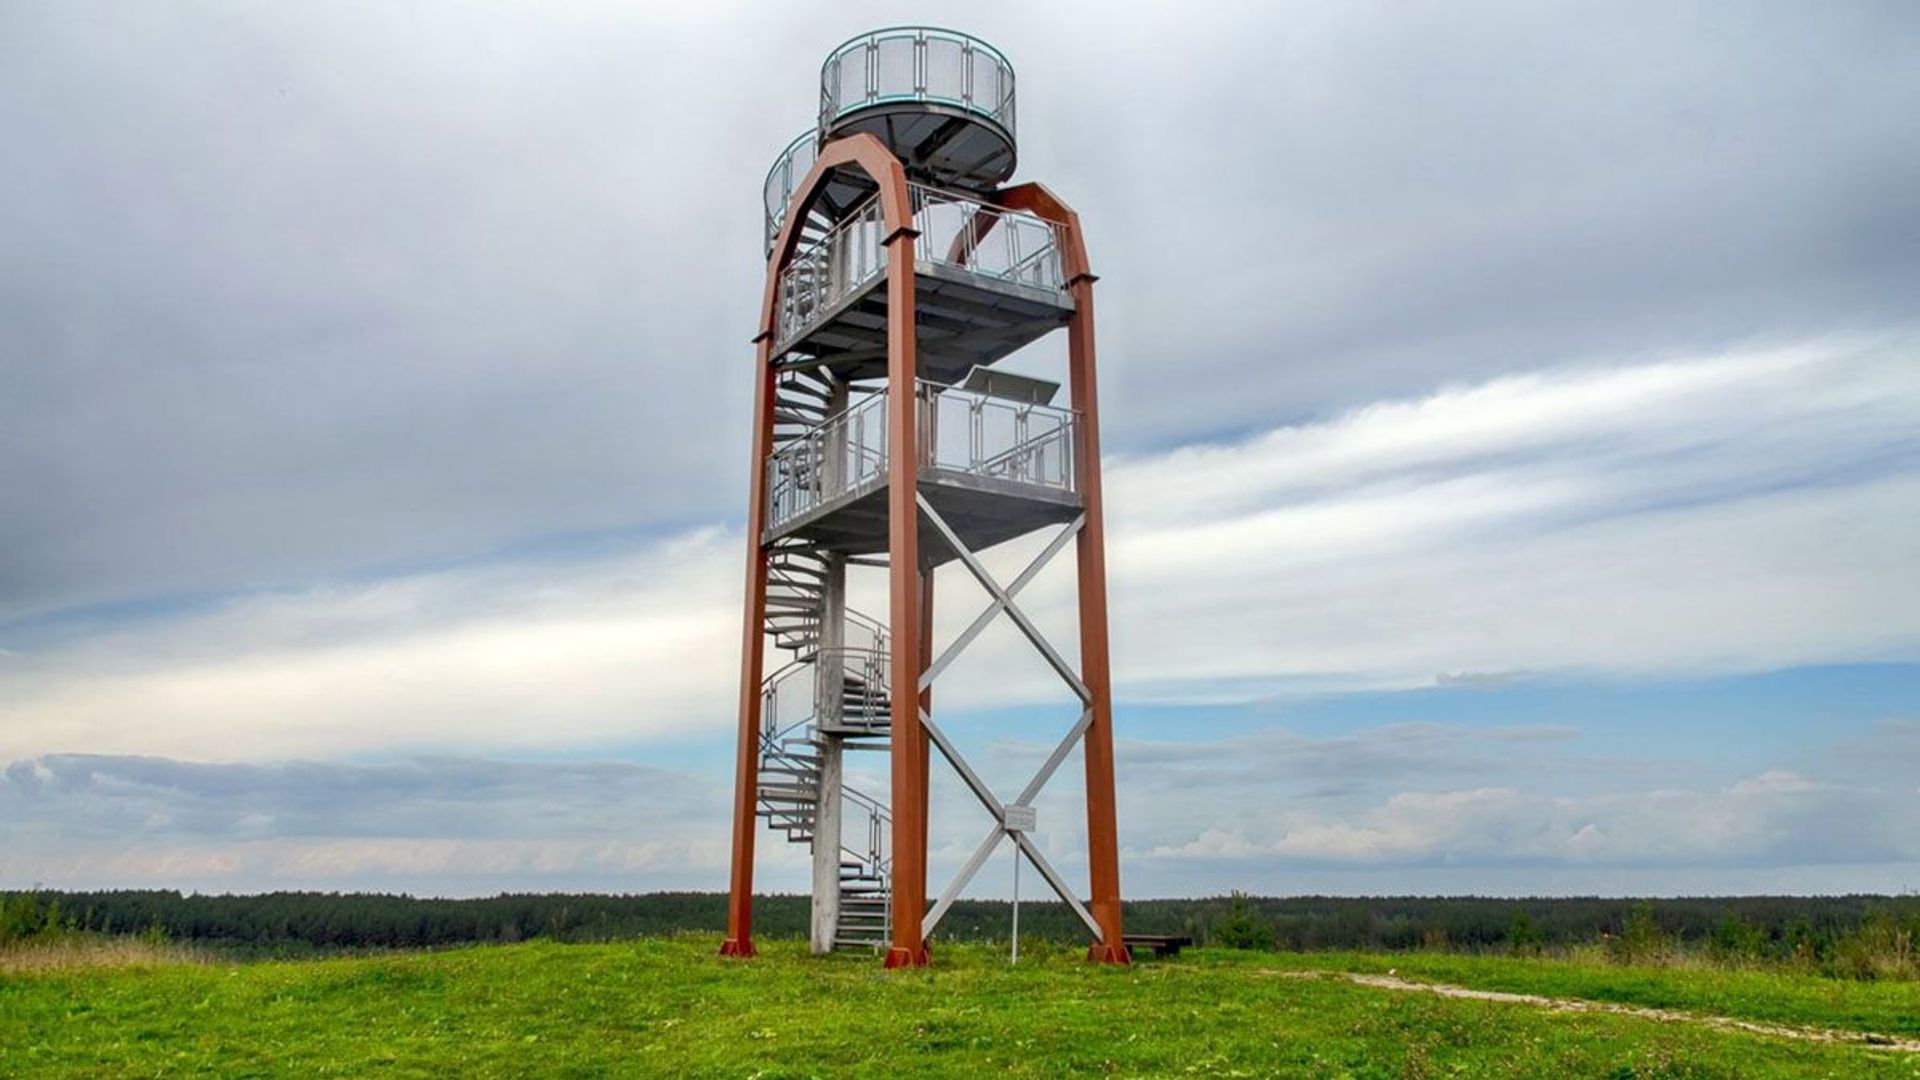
[[1003, 600], [999, 812], [994, 606]]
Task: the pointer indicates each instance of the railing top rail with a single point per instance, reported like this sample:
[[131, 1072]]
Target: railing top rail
[[797, 443], [779, 676], [920, 31], [881, 86], [917, 189], [874, 628], [851, 650], [928, 387], [871, 804]]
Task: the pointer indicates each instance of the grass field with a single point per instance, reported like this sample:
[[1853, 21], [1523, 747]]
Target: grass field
[[670, 1007]]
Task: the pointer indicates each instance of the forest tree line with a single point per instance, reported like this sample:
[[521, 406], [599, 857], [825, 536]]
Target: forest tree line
[[1813, 930]]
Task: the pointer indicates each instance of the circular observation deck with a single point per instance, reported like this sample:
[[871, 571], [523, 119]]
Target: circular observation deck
[[940, 100]]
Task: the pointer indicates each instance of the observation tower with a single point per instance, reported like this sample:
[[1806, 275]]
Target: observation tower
[[901, 268]]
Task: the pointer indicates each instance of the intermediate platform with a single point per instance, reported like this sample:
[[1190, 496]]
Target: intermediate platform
[[993, 467], [987, 281]]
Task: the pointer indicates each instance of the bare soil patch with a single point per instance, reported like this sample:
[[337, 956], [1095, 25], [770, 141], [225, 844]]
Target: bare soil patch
[[1582, 1005]]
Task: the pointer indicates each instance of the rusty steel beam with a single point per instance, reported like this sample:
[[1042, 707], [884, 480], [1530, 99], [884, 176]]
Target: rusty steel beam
[[753, 647], [906, 590], [1103, 842], [869, 154]]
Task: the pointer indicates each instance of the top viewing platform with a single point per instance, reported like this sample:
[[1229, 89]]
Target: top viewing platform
[[940, 100]]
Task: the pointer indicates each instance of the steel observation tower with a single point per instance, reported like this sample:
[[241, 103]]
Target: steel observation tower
[[901, 267]]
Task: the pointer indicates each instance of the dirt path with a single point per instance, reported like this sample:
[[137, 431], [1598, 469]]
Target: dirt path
[[1580, 1005]]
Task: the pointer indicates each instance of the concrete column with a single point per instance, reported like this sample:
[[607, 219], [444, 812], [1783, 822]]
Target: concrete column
[[826, 848], [828, 697]]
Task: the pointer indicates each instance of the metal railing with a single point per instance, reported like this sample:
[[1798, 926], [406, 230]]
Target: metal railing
[[956, 231], [867, 842], [877, 860], [852, 686], [775, 728], [960, 432], [844, 456], [830, 270], [965, 233], [977, 435], [917, 63], [788, 170]]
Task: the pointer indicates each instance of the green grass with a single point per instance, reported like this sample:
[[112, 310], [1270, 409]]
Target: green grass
[[670, 1007]]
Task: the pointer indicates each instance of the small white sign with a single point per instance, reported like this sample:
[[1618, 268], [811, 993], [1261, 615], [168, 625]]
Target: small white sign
[[1021, 819]]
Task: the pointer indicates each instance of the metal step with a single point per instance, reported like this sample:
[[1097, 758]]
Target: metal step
[[865, 911], [792, 384], [786, 558], [806, 601]]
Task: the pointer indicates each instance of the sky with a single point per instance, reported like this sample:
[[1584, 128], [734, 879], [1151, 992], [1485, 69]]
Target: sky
[[1512, 422]]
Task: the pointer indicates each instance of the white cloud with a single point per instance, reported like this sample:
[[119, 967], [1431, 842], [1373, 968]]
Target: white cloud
[[635, 647], [1730, 513], [1770, 819]]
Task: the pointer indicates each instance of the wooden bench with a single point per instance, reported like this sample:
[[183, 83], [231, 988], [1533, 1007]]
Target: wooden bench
[[1163, 945]]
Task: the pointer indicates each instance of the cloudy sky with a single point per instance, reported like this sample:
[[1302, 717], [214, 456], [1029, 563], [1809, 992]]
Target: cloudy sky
[[1513, 421]]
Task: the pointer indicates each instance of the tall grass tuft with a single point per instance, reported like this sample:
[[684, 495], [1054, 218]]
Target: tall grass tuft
[[37, 935]]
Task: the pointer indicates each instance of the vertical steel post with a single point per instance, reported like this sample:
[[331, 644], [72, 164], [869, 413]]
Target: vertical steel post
[[753, 644], [906, 590], [1016, 905], [867, 154], [1103, 843]]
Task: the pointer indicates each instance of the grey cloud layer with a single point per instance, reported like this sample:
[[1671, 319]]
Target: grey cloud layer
[[1417, 806], [441, 825], [295, 300], [291, 293], [1426, 796], [105, 797], [1729, 513]]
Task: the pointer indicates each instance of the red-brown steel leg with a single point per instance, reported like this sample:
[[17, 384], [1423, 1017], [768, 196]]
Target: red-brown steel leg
[[1103, 843], [746, 777], [903, 560]]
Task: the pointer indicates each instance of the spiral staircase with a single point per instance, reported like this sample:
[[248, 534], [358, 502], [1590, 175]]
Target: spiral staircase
[[804, 704]]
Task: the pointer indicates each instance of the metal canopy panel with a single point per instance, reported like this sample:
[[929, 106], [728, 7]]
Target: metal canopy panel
[[1009, 386]]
